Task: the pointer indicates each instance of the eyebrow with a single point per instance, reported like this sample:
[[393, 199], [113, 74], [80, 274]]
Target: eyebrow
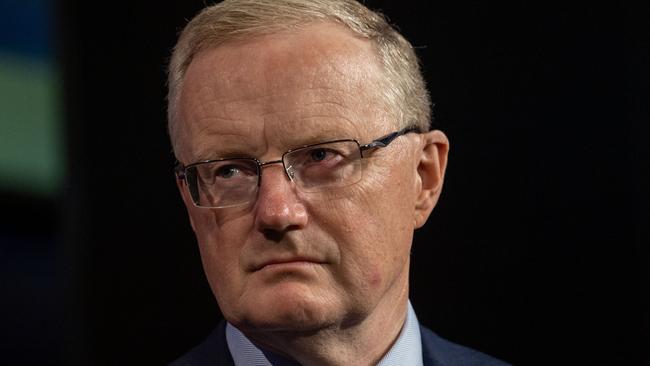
[[244, 150], [222, 152], [319, 136]]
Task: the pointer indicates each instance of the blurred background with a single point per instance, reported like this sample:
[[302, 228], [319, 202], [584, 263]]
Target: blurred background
[[538, 252]]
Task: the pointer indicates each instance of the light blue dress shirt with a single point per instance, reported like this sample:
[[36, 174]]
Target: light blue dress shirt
[[406, 351]]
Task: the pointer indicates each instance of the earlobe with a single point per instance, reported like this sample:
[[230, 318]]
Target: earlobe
[[431, 167]]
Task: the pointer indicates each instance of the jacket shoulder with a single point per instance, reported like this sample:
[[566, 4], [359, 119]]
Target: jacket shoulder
[[213, 351], [437, 351]]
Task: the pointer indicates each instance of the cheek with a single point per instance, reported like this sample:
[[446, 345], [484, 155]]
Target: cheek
[[220, 236], [219, 229], [376, 227], [375, 278], [361, 238]]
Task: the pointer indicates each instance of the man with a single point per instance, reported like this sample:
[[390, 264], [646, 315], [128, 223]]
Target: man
[[306, 162]]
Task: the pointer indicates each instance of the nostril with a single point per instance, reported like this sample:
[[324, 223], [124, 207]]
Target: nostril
[[278, 213], [273, 235]]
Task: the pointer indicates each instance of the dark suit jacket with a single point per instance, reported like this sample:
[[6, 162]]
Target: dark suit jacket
[[435, 352]]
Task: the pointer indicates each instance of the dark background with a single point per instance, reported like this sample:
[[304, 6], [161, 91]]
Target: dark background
[[537, 253]]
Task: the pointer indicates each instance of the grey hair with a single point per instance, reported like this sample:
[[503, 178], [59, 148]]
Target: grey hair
[[406, 95]]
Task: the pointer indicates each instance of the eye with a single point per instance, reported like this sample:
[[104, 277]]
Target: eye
[[318, 154], [237, 170], [227, 171], [322, 156]]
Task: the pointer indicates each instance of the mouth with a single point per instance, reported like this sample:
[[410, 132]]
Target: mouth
[[287, 263]]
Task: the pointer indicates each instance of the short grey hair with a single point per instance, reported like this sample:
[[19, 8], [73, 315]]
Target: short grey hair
[[406, 95]]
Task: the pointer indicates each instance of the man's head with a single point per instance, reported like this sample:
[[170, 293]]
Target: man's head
[[290, 74], [404, 91]]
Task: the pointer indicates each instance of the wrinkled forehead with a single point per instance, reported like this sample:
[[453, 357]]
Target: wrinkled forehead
[[304, 84]]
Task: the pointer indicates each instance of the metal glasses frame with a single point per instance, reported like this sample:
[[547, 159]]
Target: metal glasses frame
[[383, 141]]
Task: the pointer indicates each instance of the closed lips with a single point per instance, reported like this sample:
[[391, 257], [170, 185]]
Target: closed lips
[[297, 260]]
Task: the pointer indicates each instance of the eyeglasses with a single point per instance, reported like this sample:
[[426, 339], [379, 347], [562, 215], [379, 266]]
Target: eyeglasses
[[319, 167]]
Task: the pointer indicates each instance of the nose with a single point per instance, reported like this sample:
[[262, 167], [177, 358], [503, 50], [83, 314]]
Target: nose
[[278, 208]]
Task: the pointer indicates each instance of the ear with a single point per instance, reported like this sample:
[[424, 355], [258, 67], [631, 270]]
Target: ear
[[432, 162], [185, 195]]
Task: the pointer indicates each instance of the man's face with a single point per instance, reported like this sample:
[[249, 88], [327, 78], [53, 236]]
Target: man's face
[[292, 260]]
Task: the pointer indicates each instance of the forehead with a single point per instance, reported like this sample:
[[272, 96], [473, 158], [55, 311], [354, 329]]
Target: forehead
[[280, 91]]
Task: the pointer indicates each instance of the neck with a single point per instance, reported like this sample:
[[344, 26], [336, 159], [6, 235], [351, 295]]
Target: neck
[[365, 343]]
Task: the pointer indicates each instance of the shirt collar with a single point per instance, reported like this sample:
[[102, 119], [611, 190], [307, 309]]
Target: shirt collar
[[407, 349]]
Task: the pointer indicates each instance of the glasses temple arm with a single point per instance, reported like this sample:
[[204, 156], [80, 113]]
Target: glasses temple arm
[[387, 139]]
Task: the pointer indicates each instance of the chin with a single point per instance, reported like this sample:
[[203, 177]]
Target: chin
[[285, 308]]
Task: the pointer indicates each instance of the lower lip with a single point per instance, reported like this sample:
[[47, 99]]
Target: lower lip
[[294, 265]]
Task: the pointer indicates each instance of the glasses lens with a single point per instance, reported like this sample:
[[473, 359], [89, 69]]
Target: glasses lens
[[324, 166], [223, 183]]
